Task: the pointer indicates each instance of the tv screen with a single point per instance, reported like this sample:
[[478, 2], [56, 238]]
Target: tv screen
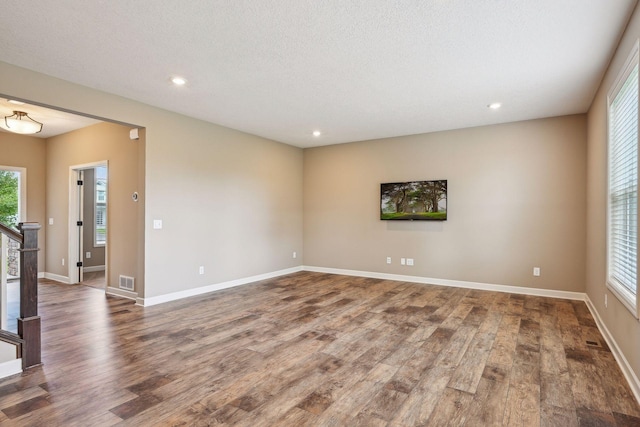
[[414, 200]]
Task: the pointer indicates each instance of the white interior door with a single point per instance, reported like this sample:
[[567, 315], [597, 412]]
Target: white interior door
[[80, 223], [84, 220]]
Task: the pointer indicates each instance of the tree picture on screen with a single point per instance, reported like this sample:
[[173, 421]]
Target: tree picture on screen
[[414, 200]]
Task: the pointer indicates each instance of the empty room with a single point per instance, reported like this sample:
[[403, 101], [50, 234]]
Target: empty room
[[319, 213]]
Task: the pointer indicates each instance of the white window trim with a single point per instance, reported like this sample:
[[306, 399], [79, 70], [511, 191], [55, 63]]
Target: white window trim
[[97, 244], [622, 294]]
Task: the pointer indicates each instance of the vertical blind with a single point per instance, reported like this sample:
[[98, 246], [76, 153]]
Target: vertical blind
[[623, 185]]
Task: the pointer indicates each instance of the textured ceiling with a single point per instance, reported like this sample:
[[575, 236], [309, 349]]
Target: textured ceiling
[[354, 70]]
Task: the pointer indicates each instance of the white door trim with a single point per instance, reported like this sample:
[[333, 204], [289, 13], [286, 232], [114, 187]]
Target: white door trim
[[74, 244]]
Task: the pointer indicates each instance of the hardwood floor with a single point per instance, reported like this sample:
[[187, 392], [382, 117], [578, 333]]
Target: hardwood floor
[[95, 279], [319, 350]]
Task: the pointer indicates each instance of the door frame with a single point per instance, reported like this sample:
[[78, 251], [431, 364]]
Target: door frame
[[75, 240]]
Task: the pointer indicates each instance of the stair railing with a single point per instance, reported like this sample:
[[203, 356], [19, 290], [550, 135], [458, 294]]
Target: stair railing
[[29, 336]]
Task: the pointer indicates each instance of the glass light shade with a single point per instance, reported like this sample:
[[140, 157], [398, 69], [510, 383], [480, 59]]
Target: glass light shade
[[20, 122]]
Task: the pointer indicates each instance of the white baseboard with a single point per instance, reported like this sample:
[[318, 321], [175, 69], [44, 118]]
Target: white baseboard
[[626, 369], [12, 367], [57, 278], [42, 275], [93, 268], [580, 296], [146, 302], [121, 293]]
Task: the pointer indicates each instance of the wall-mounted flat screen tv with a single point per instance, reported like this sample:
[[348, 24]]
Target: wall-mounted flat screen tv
[[414, 200]]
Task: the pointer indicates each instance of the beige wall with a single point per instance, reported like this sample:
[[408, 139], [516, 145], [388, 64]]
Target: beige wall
[[229, 201], [516, 200], [88, 239], [102, 142], [619, 321], [30, 153]]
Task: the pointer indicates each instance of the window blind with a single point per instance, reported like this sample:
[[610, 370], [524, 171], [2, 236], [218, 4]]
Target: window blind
[[623, 185]]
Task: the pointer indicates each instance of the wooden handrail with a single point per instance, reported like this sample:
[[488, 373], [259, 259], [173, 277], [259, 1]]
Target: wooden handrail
[[29, 321], [11, 233]]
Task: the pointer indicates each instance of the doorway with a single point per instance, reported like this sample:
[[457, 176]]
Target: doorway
[[88, 224]]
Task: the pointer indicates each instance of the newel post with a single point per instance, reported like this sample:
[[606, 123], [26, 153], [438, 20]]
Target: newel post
[[29, 321]]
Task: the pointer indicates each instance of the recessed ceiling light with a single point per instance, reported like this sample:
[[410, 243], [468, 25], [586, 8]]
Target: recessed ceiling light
[[13, 101], [317, 133], [495, 105], [178, 81]]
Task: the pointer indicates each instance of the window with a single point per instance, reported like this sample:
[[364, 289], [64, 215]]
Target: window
[[622, 236], [9, 197], [100, 238]]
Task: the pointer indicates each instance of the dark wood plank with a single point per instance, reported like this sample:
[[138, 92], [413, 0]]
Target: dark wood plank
[[523, 405], [490, 399], [469, 371], [423, 399], [451, 409]]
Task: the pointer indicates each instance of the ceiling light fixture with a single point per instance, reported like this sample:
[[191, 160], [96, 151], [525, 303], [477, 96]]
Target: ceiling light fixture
[[495, 105], [13, 101], [179, 81], [20, 122], [317, 133]]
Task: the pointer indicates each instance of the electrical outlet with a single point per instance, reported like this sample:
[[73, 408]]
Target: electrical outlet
[[87, 255], [62, 261], [409, 261], [403, 261], [201, 269], [295, 255], [157, 224], [50, 221], [536, 271], [388, 260]]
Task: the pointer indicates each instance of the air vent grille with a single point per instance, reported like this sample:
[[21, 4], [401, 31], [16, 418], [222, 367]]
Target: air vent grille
[[126, 283]]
